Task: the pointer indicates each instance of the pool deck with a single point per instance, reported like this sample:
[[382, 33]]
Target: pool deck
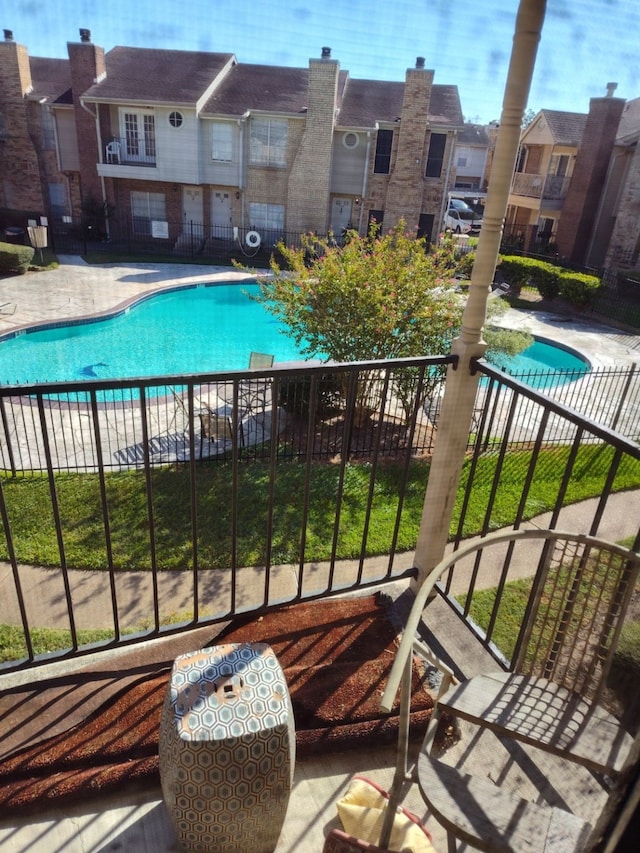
[[77, 290]]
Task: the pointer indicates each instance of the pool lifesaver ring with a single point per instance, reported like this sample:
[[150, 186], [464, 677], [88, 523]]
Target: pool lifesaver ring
[[252, 239]]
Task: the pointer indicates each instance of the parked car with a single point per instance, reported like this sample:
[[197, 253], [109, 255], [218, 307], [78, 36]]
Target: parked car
[[462, 221], [459, 204]]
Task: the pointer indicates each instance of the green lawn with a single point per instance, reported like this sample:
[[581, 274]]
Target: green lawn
[[34, 536]]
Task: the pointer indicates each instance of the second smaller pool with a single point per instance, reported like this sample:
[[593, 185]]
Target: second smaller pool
[[544, 357]]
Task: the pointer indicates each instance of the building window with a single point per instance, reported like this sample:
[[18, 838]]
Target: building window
[[268, 142], [375, 218], [175, 119], [48, 129], [139, 136], [145, 209], [58, 200], [382, 162], [267, 220], [350, 140], [222, 141], [435, 157], [425, 226]]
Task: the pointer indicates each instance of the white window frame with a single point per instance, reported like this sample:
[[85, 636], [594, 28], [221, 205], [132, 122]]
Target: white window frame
[[147, 208], [138, 132], [222, 141], [268, 139], [267, 220]]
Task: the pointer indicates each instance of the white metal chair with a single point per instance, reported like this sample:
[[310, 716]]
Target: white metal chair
[[113, 151], [579, 588]]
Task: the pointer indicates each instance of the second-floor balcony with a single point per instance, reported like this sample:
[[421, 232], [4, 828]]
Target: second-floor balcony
[[132, 150], [552, 187]]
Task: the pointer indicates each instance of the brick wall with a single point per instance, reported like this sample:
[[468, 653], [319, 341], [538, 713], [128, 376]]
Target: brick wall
[[581, 204], [625, 239], [87, 66], [406, 182], [308, 191], [20, 186]]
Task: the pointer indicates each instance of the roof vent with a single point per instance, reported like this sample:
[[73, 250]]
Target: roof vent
[[8, 35], [85, 35], [420, 62], [611, 87], [326, 53]]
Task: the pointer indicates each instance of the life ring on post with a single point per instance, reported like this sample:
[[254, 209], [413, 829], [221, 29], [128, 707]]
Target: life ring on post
[[252, 239]]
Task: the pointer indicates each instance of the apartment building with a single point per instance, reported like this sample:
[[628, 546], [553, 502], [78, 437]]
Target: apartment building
[[576, 187], [180, 145]]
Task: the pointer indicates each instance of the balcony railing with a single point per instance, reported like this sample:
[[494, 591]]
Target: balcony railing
[[131, 151], [282, 500], [551, 187]]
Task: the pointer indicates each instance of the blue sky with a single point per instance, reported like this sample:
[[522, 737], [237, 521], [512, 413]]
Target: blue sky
[[585, 43]]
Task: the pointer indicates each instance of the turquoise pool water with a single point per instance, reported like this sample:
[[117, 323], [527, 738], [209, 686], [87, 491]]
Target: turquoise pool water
[[183, 331], [543, 358], [190, 330]]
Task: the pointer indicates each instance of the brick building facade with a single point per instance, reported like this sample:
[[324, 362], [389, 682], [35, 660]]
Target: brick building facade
[[174, 141]]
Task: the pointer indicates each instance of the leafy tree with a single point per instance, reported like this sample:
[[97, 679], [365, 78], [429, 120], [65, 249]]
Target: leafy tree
[[377, 297]]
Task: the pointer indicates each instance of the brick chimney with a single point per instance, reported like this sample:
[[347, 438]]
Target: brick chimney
[[20, 186], [581, 204], [312, 164], [88, 67], [406, 184]]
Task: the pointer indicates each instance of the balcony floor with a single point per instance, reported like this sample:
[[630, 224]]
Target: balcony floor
[[137, 821]]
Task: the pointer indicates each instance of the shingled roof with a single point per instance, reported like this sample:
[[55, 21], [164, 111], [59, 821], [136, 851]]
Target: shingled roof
[[366, 102], [566, 128], [260, 87], [137, 74], [51, 79], [473, 134]]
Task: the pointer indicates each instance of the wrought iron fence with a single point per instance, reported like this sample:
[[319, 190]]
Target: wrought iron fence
[[172, 239], [204, 496], [524, 443]]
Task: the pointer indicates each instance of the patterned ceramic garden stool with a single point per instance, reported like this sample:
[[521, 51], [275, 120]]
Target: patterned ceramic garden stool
[[227, 749]]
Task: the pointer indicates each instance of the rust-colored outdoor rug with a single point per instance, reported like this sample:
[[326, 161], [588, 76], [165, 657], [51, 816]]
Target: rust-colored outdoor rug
[[336, 656]]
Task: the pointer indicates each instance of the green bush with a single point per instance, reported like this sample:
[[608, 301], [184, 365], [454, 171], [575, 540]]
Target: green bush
[[520, 272], [579, 288], [15, 259], [295, 394]]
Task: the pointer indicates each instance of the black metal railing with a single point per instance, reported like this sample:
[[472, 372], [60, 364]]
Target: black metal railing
[[528, 446], [204, 496]]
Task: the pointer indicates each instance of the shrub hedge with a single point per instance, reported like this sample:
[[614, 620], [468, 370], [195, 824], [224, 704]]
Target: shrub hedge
[[550, 280], [15, 259], [577, 287]]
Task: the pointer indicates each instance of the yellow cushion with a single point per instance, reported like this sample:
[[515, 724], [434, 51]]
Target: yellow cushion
[[361, 812]]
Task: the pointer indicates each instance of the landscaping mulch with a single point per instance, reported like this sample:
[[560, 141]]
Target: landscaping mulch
[[336, 656]]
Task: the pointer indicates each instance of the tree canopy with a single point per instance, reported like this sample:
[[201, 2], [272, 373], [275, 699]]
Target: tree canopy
[[376, 297]]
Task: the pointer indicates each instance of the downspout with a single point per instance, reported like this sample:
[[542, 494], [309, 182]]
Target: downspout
[[242, 123], [100, 160], [365, 178]]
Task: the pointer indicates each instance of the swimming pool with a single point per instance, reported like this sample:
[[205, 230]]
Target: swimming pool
[[544, 364], [200, 329], [185, 330]]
